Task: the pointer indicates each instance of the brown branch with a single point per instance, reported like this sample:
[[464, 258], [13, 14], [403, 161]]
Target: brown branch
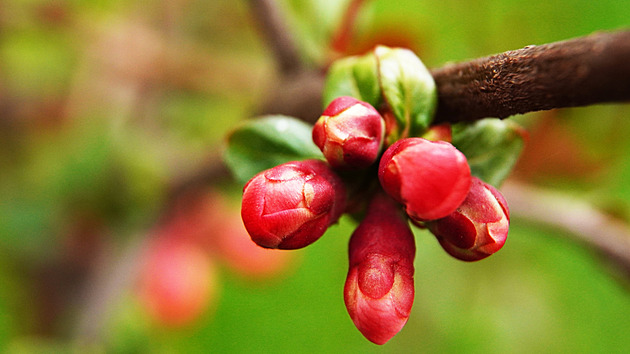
[[277, 35], [114, 275], [577, 72], [608, 236]]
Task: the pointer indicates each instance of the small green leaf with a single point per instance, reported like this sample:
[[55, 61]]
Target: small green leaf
[[408, 88], [353, 76], [263, 143], [492, 147]]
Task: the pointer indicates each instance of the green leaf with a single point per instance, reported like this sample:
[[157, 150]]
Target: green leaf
[[312, 22], [263, 143], [492, 147], [353, 76], [408, 88]]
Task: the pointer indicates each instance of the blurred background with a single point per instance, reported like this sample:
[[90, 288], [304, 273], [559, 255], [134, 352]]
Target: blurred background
[[119, 227]]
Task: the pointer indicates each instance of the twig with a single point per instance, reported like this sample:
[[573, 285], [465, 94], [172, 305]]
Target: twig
[[577, 72], [214, 171], [343, 35], [110, 281], [588, 225], [277, 35]]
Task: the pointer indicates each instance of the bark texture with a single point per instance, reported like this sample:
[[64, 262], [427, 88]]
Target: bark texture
[[577, 72]]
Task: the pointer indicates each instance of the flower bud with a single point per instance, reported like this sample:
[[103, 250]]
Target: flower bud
[[178, 282], [430, 178], [291, 205], [379, 289], [479, 226], [349, 133], [234, 246]]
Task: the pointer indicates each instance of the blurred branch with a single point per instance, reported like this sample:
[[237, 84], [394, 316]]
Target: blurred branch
[[298, 96], [277, 35], [114, 275], [588, 225], [343, 35], [577, 72], [214, 171], [298, 92]]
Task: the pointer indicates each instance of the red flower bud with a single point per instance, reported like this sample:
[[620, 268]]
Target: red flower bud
[[430, 178], [291, 205], [379, 289], [478, 228], [349, 133], [234, 246], [178, 282]]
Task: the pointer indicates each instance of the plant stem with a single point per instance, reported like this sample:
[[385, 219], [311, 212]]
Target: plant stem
[[114, 276], [343, 35], [584, 223], [577, 72], [277, 35]]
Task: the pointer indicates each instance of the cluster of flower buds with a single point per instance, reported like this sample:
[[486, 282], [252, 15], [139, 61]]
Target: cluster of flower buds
[[425, 180]]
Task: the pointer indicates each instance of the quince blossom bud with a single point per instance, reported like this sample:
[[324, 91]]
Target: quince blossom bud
[[291, 205], [178, 282], [349, 133], [379, 289], [430, 178], [478, 228]]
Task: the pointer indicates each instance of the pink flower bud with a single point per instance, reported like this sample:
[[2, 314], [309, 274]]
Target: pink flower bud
[[430, 178], [291, 205], [178, 281], [379, 289], [234, 246], [478, 228], [349, 133]]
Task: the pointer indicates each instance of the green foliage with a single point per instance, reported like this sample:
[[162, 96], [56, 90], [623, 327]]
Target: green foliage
[[492, 147], [408, 89], [355, 76], [266, 142], [39, 61], [314, 21]]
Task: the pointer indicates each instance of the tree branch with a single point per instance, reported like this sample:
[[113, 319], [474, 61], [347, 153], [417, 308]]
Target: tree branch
[[344, 33], [588, 225], [114, 275], [277, 35], [577, 72]]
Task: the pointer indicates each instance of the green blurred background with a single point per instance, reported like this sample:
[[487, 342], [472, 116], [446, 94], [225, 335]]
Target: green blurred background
[[105, 105]]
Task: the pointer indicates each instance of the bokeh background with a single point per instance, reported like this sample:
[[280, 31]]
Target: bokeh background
[[112, 119]]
